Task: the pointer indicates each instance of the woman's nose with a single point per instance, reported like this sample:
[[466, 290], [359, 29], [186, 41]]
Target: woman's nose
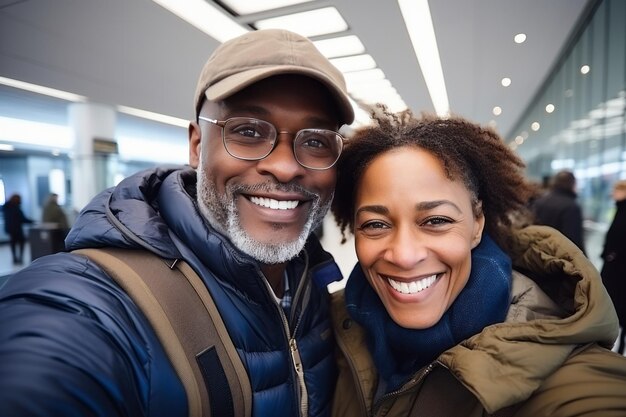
[[406, 250]]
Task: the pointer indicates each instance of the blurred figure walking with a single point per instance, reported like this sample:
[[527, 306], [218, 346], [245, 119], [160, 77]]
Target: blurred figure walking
[[558, 208], [614, 256], [14, 218]]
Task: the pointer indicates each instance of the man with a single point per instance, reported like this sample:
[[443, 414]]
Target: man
[[558, 208], [264, 144]]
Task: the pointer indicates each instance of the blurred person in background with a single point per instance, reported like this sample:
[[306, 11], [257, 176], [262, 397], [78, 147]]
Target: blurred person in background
[[559, 209], [614, 256], [53, 213], [14, 219]]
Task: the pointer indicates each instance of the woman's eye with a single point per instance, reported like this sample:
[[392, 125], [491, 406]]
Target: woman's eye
[[437, 221], [373, 225]]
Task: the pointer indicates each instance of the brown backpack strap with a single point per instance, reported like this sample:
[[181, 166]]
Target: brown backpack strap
[[183, 315]]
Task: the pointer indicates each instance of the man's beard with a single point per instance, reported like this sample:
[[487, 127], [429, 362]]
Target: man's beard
[[222, 214]]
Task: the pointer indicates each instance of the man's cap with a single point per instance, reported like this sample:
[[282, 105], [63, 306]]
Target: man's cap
[[260, 54]]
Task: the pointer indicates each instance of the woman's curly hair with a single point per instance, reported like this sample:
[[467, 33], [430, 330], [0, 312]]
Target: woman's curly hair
[[477, 156]]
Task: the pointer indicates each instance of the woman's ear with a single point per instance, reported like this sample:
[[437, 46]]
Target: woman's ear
[[195, 144], [479, 225]]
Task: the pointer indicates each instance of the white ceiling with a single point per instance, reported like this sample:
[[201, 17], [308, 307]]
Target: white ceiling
[[135, 53]]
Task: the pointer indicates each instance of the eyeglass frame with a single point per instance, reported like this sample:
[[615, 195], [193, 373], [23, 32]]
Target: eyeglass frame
[[222, 124]]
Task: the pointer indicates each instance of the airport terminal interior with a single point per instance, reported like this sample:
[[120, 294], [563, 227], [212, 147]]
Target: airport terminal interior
[[91, 91]]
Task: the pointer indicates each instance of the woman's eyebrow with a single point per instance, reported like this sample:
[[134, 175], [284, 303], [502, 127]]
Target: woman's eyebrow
[[378, 209], [429, 205]]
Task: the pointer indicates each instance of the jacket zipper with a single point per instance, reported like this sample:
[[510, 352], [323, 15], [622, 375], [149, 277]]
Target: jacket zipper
[[410, 384], [296, 361]]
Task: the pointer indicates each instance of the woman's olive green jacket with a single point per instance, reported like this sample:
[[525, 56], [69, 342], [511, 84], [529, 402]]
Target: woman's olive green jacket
[[550, 357]]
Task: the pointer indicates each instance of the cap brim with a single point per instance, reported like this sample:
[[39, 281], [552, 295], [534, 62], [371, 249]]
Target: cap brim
[[237, 82]]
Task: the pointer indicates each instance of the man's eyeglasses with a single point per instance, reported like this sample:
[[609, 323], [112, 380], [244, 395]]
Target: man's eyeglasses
[[253, 139]]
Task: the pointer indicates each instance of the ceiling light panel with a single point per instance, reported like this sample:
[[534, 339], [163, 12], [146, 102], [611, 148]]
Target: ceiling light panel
[[341, 46], [356, 77], [354, 63], [311, 23], [244, 7], [205, 17]]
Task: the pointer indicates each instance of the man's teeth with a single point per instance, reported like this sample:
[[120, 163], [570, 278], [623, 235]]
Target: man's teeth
[[275, 204], [413, 286]]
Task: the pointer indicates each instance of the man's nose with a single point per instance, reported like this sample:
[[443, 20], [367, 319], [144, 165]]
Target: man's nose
[[281, 163]]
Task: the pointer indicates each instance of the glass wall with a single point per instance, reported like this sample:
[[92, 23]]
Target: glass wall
[[577, 121]]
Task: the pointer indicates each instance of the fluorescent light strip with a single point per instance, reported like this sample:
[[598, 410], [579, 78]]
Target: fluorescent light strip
[[39, 89], [205, 17], [157, 117], [310, 23], [419, 24]]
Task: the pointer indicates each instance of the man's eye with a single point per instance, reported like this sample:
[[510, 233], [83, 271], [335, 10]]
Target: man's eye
[[247, 131]]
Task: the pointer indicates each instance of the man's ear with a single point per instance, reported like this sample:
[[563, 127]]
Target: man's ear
[[195, 144]]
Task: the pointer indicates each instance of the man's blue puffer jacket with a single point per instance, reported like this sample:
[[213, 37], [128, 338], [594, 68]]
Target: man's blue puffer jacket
[[72, 343]]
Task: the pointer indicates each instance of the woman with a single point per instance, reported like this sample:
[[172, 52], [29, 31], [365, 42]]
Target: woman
[[453, 309], [614, 256]]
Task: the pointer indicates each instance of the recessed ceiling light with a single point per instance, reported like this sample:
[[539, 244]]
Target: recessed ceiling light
[[342, 46], [519, 139], [310, 23], [520, 38], [549, 108], [354, 63], [535, 126], [585, 69], [497, 111], [506, 81], [243, 7]]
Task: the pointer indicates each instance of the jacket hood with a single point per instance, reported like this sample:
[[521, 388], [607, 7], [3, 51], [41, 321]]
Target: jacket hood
[[520, 354], [127, 216]]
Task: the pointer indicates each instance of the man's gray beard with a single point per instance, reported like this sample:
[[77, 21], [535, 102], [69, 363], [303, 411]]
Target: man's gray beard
[[221, 213]]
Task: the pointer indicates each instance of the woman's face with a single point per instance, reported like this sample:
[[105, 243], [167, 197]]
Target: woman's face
[[414, 232]]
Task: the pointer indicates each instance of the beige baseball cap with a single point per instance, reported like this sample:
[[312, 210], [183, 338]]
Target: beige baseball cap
[[260, 54]]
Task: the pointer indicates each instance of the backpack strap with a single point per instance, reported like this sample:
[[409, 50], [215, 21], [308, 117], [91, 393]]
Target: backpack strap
[[185, 319]]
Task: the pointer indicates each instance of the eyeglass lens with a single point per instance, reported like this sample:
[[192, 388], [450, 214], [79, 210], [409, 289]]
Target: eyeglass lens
[[251, 139]]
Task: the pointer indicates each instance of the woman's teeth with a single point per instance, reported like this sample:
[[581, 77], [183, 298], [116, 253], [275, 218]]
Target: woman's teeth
[[274, 204], [412, 287]]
